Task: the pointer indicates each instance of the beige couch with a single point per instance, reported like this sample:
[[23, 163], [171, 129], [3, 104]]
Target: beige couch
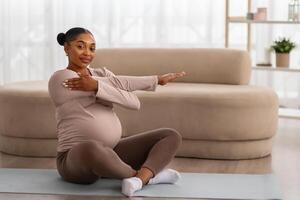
[[217, 113]]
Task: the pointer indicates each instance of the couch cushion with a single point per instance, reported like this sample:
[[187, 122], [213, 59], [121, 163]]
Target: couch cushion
[[27, 110], [33, 147], [206, 111], [197, 111]]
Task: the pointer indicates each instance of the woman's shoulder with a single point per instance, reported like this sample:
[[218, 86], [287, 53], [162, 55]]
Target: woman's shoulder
[[61, 75], [64, 71]]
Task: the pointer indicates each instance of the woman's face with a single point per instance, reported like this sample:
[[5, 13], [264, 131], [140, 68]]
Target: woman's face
[[81, 51]]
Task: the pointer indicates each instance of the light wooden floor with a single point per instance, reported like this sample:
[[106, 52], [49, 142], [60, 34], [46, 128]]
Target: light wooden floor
[[284, 162]]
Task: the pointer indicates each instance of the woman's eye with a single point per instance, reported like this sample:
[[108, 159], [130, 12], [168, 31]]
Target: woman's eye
[[92, 49], [80, 46]]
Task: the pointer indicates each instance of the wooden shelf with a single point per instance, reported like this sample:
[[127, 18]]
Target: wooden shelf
[[243, 20], [289, 113], [282, 69]]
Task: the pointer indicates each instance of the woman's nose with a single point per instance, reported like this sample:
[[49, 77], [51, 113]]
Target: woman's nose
[[86, 51]]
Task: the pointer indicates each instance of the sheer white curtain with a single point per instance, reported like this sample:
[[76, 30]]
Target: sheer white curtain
[[29, 51]]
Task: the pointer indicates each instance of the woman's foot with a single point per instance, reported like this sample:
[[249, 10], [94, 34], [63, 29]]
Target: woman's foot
[[131, 185], [165, 176]]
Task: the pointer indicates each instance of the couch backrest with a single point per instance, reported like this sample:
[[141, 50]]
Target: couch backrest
[[202, 65]]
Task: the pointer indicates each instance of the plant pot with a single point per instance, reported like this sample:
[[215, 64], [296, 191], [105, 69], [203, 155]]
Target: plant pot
[[282, 59]]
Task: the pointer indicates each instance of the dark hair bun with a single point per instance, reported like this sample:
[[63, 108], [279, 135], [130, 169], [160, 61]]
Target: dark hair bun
[[61, 38]]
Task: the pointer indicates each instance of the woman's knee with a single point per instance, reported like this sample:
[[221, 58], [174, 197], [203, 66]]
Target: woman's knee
[[174, 134]]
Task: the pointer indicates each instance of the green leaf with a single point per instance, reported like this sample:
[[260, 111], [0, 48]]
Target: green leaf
[[283, 45]]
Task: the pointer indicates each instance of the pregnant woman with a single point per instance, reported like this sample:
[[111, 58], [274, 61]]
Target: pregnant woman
[[89, 132]]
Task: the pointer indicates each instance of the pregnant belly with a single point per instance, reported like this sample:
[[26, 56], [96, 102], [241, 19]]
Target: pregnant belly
[[105, 127]]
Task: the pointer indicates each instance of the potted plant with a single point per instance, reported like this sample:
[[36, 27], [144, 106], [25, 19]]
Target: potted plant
[[283, 47]]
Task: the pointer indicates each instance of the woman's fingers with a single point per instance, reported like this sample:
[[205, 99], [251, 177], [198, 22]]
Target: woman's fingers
[[72, 85], [84, 83], [180, 74], [172, 76], [177, 75], [71, 79]]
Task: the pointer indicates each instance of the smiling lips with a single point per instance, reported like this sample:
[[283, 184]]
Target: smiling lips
[[85, 60]]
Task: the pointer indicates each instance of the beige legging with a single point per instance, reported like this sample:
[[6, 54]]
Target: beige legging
[[86, 162]]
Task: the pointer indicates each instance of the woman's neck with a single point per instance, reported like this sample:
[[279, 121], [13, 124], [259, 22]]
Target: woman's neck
[[82, 70]]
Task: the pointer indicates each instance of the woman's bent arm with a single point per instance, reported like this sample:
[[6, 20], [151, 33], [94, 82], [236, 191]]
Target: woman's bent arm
[[106, 92]]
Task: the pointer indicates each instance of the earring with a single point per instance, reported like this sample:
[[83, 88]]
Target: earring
[[67, 54]]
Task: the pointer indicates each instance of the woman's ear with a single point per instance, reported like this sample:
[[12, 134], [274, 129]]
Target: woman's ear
[[66, 48]]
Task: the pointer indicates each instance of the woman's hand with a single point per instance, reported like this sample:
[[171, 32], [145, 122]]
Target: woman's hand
[[84, 82], [164, 79]]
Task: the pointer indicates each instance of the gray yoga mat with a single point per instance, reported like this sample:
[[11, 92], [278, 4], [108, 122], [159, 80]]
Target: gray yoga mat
[[191, 185]]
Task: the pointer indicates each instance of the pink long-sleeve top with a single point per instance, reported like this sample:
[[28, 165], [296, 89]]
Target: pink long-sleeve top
[[86, 115]]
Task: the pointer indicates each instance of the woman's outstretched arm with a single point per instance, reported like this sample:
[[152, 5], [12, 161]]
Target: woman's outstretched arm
[[132, 83], [121, 97], [128, 83]]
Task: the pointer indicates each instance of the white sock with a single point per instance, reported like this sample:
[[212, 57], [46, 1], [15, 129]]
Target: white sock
[[165, 176], [131, 185]]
